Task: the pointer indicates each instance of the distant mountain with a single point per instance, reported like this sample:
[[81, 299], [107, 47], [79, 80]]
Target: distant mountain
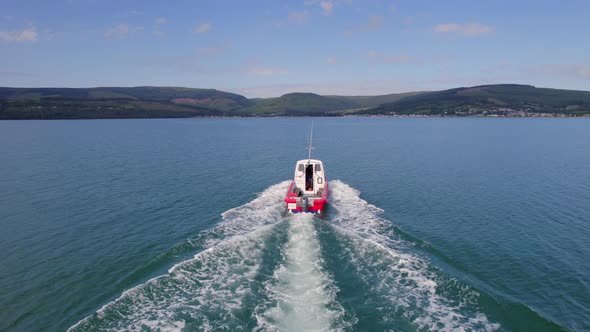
[[298, 104], [500, 99], [312, 104], [175, 102], [372, 101], [116, 102]]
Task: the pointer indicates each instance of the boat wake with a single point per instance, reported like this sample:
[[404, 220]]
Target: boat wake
[[264, 271], [407, 290], [302, 296], [212, 291]]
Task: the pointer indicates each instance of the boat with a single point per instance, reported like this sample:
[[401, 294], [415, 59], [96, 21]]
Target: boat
[[308, 191]]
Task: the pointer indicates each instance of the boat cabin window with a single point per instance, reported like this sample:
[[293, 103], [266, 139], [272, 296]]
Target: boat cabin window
[[309, 178], [300, 167], [318, 167], [320, 180]]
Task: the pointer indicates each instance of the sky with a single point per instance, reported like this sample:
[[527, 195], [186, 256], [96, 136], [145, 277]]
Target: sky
[[269, 48]]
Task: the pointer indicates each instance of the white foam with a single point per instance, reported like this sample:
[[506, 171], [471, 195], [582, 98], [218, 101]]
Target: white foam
[[358, 215], [211, 287], [267, 208], [406, 280], [302, 295]]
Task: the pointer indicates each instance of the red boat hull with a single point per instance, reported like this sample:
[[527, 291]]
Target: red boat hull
[[318, 205]]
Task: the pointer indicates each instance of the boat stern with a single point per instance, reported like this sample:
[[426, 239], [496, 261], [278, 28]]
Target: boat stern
[[296, 202]]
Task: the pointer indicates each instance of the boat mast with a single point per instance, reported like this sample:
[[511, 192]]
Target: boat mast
[[309, 148]]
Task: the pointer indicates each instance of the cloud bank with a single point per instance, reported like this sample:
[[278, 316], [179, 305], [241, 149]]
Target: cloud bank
[[26, 35]]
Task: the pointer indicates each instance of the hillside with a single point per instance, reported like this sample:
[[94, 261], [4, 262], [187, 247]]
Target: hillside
[[298, 104], [501, 99], [373, 101], [116, 102], [174, 102]]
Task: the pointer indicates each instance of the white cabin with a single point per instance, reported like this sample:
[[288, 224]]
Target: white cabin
[[309, 177]]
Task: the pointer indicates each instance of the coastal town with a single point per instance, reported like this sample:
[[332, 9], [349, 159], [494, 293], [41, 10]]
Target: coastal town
[[494, 113]]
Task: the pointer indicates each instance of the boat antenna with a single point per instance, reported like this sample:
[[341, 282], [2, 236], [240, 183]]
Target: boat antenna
[[309, 148]]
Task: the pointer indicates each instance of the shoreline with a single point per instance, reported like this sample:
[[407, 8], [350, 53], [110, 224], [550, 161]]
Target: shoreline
[[321, 116]]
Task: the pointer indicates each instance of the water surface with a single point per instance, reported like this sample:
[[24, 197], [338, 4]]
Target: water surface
[[434, 224]]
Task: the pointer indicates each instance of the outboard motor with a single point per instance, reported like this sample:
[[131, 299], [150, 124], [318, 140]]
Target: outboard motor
[[304, 204]]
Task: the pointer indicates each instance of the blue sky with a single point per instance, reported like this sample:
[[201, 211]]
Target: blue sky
[[268, 48]]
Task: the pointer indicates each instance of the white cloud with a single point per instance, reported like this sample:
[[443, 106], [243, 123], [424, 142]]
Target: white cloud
[[298, 17], [470, 29], [265, 71], [332, 60], [161, 20], [122, 31], [26, 35], [203, 27], [327, 6]]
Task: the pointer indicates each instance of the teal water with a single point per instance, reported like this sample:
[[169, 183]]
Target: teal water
[[433, 224]]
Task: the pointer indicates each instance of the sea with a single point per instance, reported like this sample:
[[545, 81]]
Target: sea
[[433, 224]]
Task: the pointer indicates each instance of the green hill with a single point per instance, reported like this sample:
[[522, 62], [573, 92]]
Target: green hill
[[173, 102], [299, 104], [498, 99], [373, 101], [116, 102]]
